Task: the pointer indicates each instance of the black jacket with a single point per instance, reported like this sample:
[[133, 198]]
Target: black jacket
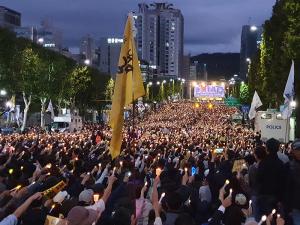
[[293, 186], [271, 177]]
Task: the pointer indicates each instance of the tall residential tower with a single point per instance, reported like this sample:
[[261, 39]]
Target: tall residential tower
[[160, 29], [250, 40]]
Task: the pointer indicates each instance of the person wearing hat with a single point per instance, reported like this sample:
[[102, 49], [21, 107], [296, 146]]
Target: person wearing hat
[[86, 197], [82, 216], [293, 199]]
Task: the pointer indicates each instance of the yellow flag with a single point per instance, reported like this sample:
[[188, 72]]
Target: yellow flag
[[128, 86]]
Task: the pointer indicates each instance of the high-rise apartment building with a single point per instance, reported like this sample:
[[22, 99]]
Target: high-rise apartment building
[[250, 40], [9, 18], [87, 49], [160, 29], [109, 53]]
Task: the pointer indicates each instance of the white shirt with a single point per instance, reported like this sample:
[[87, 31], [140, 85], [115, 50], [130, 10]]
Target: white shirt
[[157, 221], [98, 206], [9, 220]]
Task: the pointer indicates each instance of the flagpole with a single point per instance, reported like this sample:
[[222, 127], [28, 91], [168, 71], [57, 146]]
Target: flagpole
[[286, 128], [133, 102]]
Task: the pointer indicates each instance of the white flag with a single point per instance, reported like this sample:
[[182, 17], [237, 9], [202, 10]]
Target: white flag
[[256, 102], [288, 94], [50, 109]]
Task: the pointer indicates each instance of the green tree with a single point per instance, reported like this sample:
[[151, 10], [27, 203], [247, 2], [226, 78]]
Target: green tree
[[244, 93], [29, 76], [109, 90]]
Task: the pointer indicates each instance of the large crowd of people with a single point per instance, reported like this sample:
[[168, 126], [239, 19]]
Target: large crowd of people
[[181, 164]]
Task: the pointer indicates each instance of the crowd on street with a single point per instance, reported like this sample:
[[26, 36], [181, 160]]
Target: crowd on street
[[180, 164]]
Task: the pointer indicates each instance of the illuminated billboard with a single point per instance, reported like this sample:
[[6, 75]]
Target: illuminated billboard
[[209, 91]]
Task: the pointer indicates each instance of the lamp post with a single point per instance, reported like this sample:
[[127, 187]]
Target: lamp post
[[253, 28], [181, 84], [87, 62], [149, 85], [40, 41], [173, 86], [3, 92]]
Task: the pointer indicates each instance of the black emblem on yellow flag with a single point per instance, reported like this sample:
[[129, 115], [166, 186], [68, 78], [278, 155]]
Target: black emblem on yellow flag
[[127, 65]]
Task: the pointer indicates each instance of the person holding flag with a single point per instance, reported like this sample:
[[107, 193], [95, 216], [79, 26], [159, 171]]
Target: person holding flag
[[128, 86]]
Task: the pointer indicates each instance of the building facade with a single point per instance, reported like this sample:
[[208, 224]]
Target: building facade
[[109, 53], [160, 29], [250, 40], [87, 50], [29, 33], [9, 18]]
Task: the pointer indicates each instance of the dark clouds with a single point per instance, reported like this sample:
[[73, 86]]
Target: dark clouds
[[210, 25]]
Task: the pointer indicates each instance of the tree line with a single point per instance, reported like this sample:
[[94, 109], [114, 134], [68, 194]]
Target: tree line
[[280, 45], [37, 74]]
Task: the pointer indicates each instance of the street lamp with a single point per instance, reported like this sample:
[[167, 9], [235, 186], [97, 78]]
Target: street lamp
[[158, 83], [235, 75], [41, 40], [248, 60], [149, 85], [3, 92], [253, 28], [87, 62], [164, 81], [293, 104], [194, 84]]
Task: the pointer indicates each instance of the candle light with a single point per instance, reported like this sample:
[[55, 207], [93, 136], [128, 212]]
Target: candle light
[[230, 192], [263, 219], [121, 163], [16, 188], [161, 197], [32, 184], [158, 171], [146, 183], [49, 165], [96, 197], [52, 207], [273, 211]]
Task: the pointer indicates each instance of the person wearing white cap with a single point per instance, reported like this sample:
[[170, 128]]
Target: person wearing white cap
[[60, 197]]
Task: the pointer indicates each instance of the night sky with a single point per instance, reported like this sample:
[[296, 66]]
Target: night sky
[[210, 25]]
